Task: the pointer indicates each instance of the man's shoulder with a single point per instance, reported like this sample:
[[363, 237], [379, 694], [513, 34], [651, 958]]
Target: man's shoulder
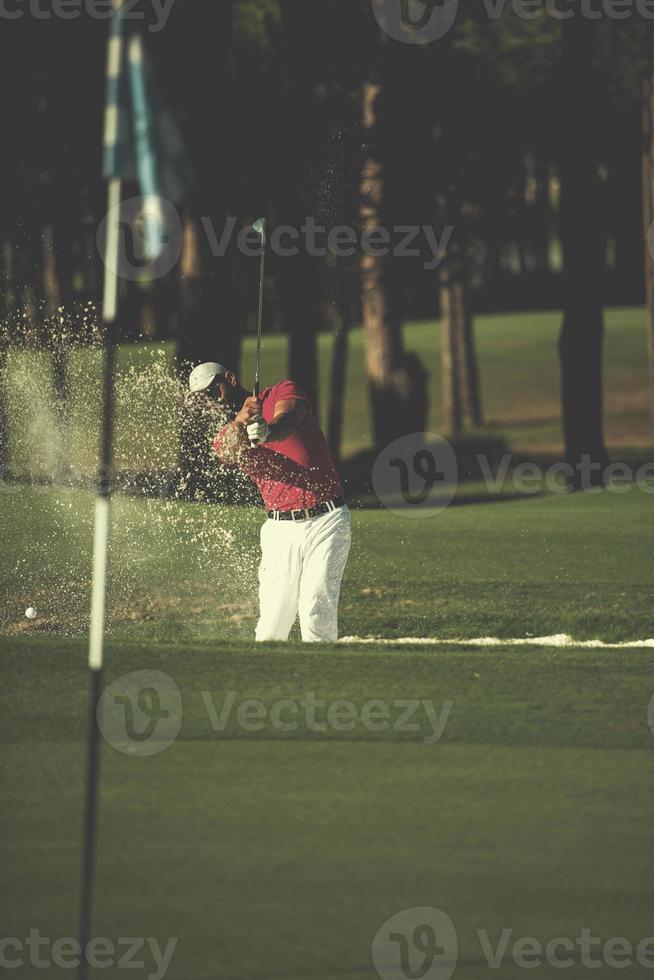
[[286, 390]]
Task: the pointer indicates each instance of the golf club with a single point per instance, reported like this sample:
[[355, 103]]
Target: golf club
[[260, 227]]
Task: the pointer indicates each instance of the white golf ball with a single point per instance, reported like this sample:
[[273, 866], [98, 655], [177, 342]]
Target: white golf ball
[[31, 612]]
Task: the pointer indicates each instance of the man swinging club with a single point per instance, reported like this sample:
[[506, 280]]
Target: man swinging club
[[305, 542]]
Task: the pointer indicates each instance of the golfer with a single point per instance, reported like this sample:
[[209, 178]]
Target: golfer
[[305, 542]]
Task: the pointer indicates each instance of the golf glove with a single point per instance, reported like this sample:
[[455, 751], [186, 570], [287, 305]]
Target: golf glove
[[258, 432]]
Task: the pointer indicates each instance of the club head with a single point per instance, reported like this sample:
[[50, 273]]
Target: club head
[[260, 226]]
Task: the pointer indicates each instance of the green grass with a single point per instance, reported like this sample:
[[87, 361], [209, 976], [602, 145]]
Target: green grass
[[578, 564], [280, 856], [520, 379], [273, 854], [519, 375]]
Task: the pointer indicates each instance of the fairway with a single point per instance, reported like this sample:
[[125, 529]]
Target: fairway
[[518, 363], [580, 565], [278, 854], [273, 855], [273, 843]]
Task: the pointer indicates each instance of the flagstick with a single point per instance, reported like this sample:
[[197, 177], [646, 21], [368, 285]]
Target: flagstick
[[99, 580]]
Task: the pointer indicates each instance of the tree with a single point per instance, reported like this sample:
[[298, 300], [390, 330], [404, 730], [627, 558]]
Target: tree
[[210, 326], [451, 300], [648, 216], [461, 385], [625, 205], [297, 275], [338, 375], [460, 371], [397, 380], [584, 249]]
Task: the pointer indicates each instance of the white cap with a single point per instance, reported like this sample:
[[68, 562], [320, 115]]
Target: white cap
[[202, 376]]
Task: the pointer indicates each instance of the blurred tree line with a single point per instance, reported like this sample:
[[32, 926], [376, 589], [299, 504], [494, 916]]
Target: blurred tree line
[[530, 138]]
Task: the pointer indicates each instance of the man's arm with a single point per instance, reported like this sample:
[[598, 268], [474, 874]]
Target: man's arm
[[234, 438], [287, 417]]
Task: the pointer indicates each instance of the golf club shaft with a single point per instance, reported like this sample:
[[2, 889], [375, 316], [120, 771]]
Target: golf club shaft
[[257, 375]]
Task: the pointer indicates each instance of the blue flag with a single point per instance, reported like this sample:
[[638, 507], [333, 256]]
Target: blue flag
[[142, 142]]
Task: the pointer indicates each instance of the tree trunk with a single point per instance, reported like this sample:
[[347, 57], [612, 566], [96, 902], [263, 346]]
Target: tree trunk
[[297, 289], [583, 239], [4, 420], [625, 205], [461, 387], [210, 314], [380, 330], [195, 449], [57, 339], [337, 382], [5, 458], [91, 274], [541, 215], [468, 366], [7, 310], [460, 371], [210, 321], [648, 218], [9, 283], [193, 342], [297, 276], [450, 295], [397, 381]]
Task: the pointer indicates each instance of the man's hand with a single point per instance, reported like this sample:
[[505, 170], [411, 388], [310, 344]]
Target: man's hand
[[250, 411], [258, 432]]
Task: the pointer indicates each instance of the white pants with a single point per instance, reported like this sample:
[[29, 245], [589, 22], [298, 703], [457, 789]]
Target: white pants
[[302, 565]]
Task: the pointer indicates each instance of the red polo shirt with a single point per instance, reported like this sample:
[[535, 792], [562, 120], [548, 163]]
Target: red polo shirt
[[298, 472]]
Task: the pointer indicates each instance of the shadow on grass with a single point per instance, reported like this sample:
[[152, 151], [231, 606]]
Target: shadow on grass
[[483, 460]]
